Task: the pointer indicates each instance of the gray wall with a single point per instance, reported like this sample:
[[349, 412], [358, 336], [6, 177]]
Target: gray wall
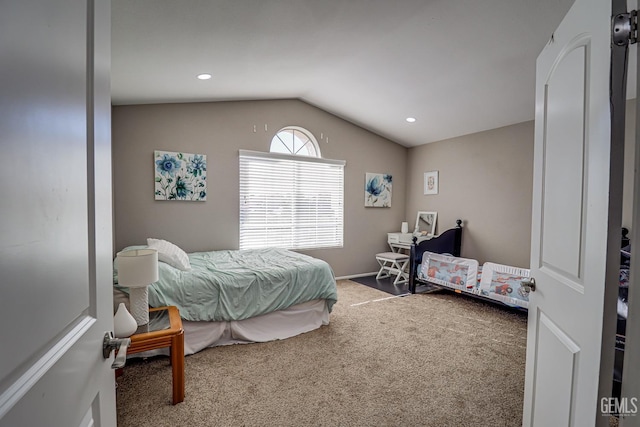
[[486, 179], [219, 130]]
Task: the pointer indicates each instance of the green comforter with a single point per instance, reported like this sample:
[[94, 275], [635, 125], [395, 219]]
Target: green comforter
[[234, 285]]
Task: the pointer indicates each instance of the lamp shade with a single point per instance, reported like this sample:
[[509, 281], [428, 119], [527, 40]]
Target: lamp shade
[[137, 267]]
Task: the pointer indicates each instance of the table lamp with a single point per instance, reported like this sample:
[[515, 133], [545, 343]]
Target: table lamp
[[137, 269]]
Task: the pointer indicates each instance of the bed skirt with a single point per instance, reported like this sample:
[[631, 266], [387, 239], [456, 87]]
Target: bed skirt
[[278, 325], [282, 324]]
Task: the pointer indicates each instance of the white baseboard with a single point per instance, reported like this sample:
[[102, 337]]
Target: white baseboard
[[353, 276]]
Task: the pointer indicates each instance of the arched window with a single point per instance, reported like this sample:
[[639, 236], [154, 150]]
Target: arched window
[[295, 140], [291, 197]]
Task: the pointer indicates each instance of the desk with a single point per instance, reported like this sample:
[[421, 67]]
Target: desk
[[164, 330], [399, 247], [399, 242]]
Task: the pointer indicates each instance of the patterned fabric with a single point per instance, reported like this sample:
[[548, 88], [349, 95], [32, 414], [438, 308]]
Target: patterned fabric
[[624, 277], [453, 272], [504, 283], [508, 285], [448, 272]]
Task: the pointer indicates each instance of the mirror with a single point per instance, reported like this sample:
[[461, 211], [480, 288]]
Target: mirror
[[426, 223]]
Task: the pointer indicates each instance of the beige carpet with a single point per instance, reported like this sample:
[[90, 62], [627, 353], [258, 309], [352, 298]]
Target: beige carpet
[[421, 360]]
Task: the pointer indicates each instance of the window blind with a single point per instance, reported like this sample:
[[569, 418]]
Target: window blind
[[292, 202]]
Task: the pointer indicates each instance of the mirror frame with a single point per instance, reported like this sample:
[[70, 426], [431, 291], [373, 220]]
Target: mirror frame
[[429, 232]]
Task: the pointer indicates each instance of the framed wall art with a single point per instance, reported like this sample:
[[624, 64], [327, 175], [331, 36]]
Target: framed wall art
[[377, 190], [431, 182], [180, 176]]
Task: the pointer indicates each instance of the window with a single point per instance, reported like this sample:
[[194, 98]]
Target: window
[[291, 201], [295, 140]]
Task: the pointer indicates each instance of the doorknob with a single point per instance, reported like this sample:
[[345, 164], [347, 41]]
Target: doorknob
[[529, 284], [109, 343]]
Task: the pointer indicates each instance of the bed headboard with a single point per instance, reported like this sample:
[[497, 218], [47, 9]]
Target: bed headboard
[[448, 242]]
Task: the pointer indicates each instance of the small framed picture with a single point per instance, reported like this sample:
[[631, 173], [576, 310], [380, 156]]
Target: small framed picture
[[431, 182]]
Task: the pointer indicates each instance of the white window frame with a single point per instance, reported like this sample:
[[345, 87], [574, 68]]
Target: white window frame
[[297, 129], [292, 202]]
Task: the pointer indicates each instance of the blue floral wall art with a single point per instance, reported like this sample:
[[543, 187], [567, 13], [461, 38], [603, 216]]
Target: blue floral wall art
[[180, 176], [377, 190]]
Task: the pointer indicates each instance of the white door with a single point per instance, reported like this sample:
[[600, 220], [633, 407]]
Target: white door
[[55, 214], [575, 226]]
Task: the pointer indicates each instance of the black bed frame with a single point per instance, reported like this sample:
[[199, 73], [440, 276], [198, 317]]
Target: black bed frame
[[448, 242]]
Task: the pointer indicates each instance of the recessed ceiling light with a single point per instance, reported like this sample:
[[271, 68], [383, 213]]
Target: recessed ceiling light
[[204, 76], [410, 119]]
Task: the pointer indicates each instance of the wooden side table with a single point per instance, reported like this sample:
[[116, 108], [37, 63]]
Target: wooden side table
[[164, 330]]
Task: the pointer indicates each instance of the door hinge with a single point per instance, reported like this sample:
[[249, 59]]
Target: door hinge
[[624, 28]]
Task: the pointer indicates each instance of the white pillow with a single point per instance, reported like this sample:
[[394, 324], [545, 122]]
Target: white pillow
[[170, 253]]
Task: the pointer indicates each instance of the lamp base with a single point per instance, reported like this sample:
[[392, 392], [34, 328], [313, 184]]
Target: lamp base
[[139, 304]]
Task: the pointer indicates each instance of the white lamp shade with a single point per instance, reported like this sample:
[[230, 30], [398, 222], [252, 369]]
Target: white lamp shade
[[137, 267]]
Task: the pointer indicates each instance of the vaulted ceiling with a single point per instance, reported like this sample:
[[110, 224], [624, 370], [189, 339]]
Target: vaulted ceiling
[[456, 66]]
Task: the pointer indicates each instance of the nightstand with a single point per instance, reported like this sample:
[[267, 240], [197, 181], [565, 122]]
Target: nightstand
[[164, 330]]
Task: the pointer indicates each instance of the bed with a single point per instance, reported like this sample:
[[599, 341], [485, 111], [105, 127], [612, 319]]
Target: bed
[[227, 297], [493, 282], [448, 242], [436, 263]]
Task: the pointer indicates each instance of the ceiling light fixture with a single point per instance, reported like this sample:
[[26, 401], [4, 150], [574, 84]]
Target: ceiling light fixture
[[204, 76], [410, 119]]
